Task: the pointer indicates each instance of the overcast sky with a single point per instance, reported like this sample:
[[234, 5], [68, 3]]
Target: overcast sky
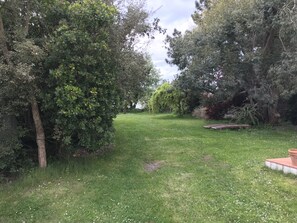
[[172, 14]]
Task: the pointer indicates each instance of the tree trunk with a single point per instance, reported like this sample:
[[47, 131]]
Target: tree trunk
[[40, 136], [273, 115], [3, 45]]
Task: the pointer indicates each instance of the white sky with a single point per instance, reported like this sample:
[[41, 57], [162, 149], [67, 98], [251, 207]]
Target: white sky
[[172, 14]]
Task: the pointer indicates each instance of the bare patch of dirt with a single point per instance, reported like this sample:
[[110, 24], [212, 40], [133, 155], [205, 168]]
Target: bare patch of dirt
[[153, 166], [208, 158]]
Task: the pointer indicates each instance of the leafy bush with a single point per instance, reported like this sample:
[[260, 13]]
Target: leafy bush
[[218, 105], [246, 114], [10, 150], [83, 94], [167, 99], [217, 111]]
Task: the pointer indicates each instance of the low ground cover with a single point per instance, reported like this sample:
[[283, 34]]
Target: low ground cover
[[163, 169]]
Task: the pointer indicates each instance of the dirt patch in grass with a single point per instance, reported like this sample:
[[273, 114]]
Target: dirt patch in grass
[[208, 158], [153, 166]]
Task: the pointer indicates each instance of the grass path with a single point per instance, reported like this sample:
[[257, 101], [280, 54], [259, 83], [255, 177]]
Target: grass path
[[205, 176]]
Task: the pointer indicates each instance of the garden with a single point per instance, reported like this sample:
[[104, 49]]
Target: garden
[[196, 175]]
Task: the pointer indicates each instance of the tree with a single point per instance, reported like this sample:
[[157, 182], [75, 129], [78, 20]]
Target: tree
[[19, 64], [166, 98], [68, 60], [83, 95], [236, 47], [135, 72], [97, 64], [136, 78], [32, 30]]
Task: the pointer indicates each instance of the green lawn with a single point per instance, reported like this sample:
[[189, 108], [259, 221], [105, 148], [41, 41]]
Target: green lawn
[[205, 176]]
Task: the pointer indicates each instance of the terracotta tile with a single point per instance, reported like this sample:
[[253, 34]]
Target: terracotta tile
[[282, 164], [283, 161]]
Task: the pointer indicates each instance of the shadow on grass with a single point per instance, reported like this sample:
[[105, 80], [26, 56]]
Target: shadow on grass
[[171, 117]]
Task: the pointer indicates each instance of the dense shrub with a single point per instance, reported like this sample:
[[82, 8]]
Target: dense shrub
[[167, 98], [84, 96], [292, 111], [192, 100], [218, 110], [247, 114], [10, 152], [218, 106]]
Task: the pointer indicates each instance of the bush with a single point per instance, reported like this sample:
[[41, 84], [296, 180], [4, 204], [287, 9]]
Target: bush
[[167, 98], [10, 150], [218, 110], [218, 105], [200, 112], [247, 114], [83, 92]]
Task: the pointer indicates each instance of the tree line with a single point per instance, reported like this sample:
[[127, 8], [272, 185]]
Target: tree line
[[239, 58], [67, 68]]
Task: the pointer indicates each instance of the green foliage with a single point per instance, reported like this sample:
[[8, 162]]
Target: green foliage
[[136, 74], [248, 45], [248, 114], [159, 100], [137, 78], [83, 79], [20, 76], [166, 98], [12, 154], [75, 58], [292, 111], [9, 151], [21, 61]]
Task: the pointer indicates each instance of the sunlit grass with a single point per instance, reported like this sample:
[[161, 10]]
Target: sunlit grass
[[204, 176]]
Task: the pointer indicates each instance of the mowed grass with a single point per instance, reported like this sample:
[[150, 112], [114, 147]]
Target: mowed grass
[[205, 176]]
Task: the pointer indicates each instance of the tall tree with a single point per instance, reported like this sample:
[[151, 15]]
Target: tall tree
[[135, 72], [20, 57], [136, 78], [235, 47]]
